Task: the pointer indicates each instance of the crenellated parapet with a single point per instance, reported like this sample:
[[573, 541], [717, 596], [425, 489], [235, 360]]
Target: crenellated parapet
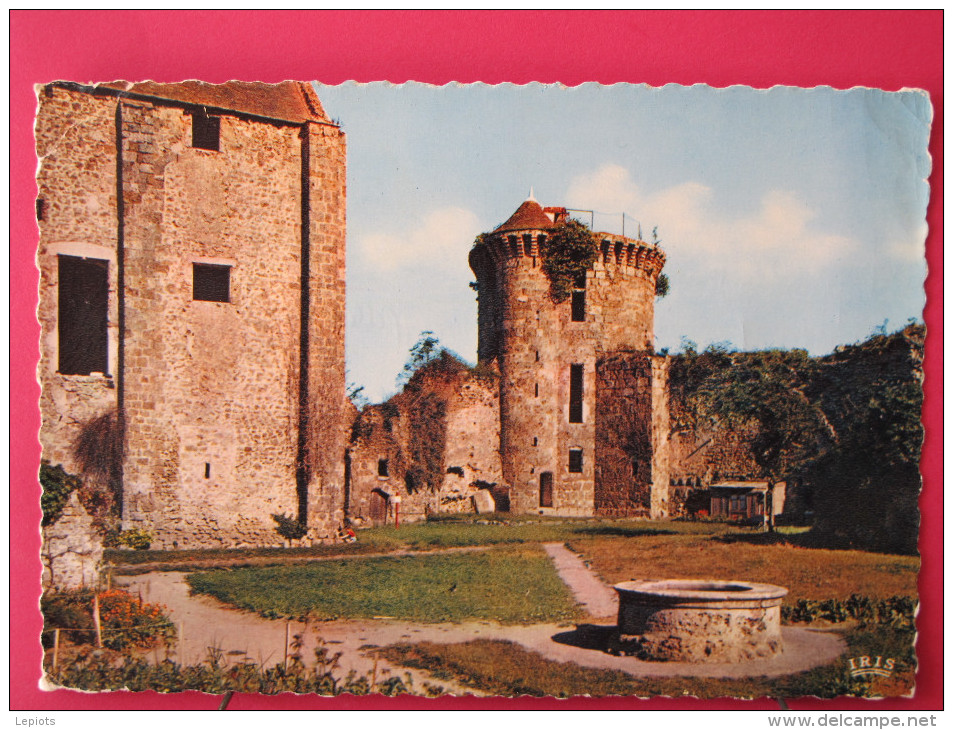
[[528, 247], [630, 253]]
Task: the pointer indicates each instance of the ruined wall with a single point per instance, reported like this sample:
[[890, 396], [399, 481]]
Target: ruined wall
[[72, 549], [457, 414], [631, 435], [210, 389]]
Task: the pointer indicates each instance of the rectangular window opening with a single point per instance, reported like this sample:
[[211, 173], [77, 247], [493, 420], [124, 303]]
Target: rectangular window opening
[[208, 470], [575, 461], [205, 131], [575, 393], [579, 305], [211, 282], [40, 209], [83, 315], [537, 390], [382, 468]]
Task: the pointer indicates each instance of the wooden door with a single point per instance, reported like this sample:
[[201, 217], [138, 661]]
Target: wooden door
[[546, 489]]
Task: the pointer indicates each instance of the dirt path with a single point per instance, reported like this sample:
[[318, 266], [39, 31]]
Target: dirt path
[[599, 600], [205, 622]]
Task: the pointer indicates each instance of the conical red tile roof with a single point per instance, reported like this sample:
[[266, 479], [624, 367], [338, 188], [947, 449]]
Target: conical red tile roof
[[529, 215]]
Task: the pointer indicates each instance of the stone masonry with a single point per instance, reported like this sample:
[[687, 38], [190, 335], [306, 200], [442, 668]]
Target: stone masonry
[[559, 400], [223, 261], [72, 549], [435, 445]]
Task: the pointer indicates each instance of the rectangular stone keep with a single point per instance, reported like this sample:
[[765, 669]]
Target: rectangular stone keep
[[199, 381]]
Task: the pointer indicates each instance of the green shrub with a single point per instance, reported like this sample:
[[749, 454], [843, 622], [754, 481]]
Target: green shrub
[[288, 527], [57, 487], [98, 671], [135, 538], [72, 610], [896, 611]]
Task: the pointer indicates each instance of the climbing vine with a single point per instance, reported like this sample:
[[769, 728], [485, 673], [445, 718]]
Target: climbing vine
[[569, 253]]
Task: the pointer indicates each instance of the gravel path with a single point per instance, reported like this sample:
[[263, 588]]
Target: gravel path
[[205, 622], [599, 600]]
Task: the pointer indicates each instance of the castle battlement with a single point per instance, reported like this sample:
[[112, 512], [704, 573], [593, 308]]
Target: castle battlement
[[528, 247]]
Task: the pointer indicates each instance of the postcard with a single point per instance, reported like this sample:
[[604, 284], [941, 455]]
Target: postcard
[[489, 390]]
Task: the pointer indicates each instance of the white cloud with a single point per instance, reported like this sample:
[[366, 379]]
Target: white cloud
[[430, 238], [911, 249], [776, 238]]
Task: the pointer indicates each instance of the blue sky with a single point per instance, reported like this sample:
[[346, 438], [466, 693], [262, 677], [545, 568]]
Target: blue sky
[[790, 217]]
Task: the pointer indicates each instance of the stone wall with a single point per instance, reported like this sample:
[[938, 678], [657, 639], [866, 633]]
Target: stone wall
[[631, 435], [454, 412], [72, 549], [76, 180], [210, 390]]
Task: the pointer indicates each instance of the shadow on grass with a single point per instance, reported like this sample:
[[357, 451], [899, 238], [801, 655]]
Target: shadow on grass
[[619, 531], [809, 539], [587, 636]]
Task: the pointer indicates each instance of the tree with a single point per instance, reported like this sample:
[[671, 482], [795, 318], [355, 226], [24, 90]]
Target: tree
[[426, 349], [764, 394]]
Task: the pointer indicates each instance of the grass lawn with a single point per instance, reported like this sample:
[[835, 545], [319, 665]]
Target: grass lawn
[[507, 669], [806, 572], [436, 533], [511, 585]]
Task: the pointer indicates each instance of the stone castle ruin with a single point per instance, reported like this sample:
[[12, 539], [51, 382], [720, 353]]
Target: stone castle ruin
[[566, 412], [191, 262], [192, 283]]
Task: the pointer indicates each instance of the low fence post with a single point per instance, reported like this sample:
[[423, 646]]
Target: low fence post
[[96, 621], [287, 642], [56, 647]]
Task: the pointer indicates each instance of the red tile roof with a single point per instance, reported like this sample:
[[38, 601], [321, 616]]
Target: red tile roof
[[293, 101], [529, 215]]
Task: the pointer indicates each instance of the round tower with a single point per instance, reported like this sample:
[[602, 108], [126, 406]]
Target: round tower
[[549, 352]]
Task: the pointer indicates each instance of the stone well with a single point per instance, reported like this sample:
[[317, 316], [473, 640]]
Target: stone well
[[699, 620]]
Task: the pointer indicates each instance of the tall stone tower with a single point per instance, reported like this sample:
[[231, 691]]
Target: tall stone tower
[[583, 404]]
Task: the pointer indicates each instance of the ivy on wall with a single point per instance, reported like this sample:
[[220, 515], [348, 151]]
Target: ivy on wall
[[570, 253]]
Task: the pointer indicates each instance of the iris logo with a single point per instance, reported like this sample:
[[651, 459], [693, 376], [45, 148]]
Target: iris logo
[[865, 666]]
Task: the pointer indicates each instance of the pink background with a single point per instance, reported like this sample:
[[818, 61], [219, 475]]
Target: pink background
[[888, 50]]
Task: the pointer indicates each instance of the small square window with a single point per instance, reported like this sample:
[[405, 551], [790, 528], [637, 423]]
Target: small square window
[[210, 282], [575, 461], [205, 131]]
